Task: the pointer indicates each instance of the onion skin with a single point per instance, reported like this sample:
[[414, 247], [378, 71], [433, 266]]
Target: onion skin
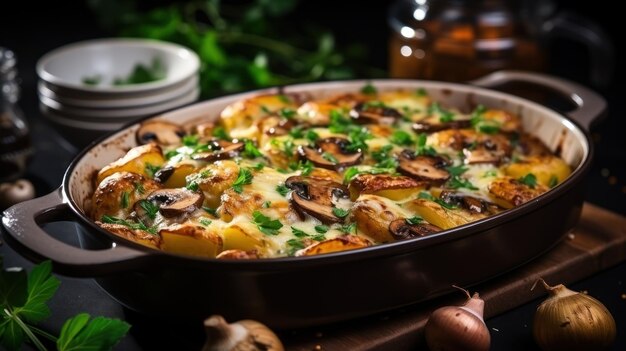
[[458, 328], [572, 321]]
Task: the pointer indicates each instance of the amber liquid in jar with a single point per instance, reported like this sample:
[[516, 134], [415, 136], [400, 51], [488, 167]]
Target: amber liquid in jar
[[463, 50]]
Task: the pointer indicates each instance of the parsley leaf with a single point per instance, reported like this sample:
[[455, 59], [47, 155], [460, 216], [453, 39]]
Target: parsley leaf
[[529, 180], [426, 196], [139, 188], [294, 245], [322, 229], [340, 212], [286, 112], [250, 150], [284, 98], [220, 133], [348, 228], [350, 173], [243, 178], [311, 136], [191, 140], [458, 182], [266, 204], [421, 92], [400, 137], [456, 171], [369, 89], [124, 199], [554, 180], [297, 132], [211, 211], [414, 220], [298, 232], [265, 224], [100, 333], [329, 157], [151, 169], [422, 149], [306, 167], [480, 124], [205, 222], [282, 189], [150, 208]]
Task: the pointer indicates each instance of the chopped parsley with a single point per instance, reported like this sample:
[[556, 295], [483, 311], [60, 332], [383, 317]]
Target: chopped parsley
[[348, 228], [139, 188], [350, 173], [243, 178], [456, 171], [402, 138], [321, 229], [193, 179], [205, 222], [191, 140], [151, 169], [294, 245], [132, 225], [298, 232], [330, 158], [414, 220], [297, 132], [490, 173], [286, 112], [250, 150], [288, 147], [369, 89], [259, 166], [554, 180], [265, 224], [211, 211], [305, 166], [150, 208], [266, 204], [421, 92], [124, 199], [482, 125], [220, 133], [457, 182], [529, 180], [340, 212], [171, 154], [311, 136], [421, 148], [426, 196], [282, 189]]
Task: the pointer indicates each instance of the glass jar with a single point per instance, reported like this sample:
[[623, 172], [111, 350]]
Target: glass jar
[[460, 40], [15, 145]]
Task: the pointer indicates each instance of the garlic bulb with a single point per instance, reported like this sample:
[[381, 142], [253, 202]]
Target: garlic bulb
[[572, 321], [458, 328], [246, 335]]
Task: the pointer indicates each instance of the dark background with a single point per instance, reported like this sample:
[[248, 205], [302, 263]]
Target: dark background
[[33, 28]]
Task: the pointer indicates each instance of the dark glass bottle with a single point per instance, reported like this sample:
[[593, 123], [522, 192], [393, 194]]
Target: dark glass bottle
[[15, 145]]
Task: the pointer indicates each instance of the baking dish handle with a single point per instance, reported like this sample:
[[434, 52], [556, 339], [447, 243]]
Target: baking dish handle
[[590, 106], [22, 224]]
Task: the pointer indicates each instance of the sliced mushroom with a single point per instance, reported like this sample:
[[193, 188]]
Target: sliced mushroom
[[386, 185], [330, 153], [401, 229], [161, 132], [370, 113], [314, 196], [430, 168], [176, 202], [276, 126], [220, 150], [434, 124], [481, 155], [470, 203]]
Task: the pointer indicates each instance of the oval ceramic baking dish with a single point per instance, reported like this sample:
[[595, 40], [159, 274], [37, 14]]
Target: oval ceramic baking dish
[[301, 291]]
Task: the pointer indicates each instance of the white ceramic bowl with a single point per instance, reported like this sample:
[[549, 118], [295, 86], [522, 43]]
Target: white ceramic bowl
[[109, 115], [125, 101], [68, 65]]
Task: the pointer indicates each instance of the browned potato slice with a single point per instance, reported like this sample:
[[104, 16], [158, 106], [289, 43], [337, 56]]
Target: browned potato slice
[[510, 192], [316, 113], [140, 236], [373, 216], [385, 185], [189, 239], [505, 120], [243, 114], [246, 237], [238, 255], [177, 175], [117, 193], [135, 161], [341, 243], [220, 176], [545, 168], [443, 218]]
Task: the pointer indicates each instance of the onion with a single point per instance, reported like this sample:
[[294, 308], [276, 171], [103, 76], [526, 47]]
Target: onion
[[572, 321], [458, 328]]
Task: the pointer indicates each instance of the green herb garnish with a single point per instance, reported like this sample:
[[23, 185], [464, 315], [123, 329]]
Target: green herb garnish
[[298, 232], [286, 112], [529, 180], [124, 200], [250, 150], [139, 188], [322, 229], [426, 196], [151, 169], [311, 136], [415, 220], [191, 140], [422, 149], [220, 133], [340, 212], [297, 132], [243, 178], [329, 157], [205, 222], [421, 92], [150, 208], [350, 173], [282, 189], [265, 224], [294, 245], [211, 211], [402, 138], [554, 181], [369, 89], [348, 228]]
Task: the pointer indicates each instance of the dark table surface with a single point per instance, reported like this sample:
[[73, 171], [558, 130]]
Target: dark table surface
[[606, 187]]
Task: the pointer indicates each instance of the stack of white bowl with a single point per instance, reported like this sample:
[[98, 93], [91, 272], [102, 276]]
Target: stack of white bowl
[[82, 112]]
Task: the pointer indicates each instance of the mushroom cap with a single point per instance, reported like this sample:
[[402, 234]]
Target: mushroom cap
[[159, 131], [369, 113], [330, 153], [423, 167], [220, 150], [314, 196], [401, 229], [176, 202]]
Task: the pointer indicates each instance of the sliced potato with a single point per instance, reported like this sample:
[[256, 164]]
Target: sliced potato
[[509, 192], [191, 240], [139, 236], [385, 185], [243, 114], [340, 243], [373, 215], [179, 174], [245, 237], [137, 160], [220, 176], [506, 121], [546, 169], [443, 218], [410, 103], [117, 193]]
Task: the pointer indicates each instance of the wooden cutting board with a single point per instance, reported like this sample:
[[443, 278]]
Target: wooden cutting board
[[598, 242]]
